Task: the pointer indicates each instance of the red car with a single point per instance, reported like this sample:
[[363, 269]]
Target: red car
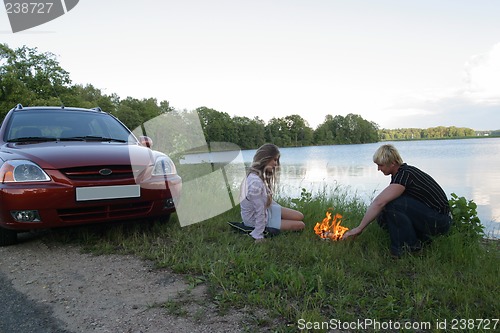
[[67, 166]]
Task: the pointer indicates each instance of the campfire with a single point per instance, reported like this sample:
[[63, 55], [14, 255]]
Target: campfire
[[330, 229]]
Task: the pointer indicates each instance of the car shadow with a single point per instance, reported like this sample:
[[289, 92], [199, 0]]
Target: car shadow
[[81, 233]]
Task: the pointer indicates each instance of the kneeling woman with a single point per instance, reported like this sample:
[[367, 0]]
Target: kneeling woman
[[258, 209]]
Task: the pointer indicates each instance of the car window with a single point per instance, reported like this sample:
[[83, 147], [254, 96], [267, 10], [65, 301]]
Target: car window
[[53, 124]]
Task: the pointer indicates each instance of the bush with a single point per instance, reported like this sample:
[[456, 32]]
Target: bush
[[465, 220]]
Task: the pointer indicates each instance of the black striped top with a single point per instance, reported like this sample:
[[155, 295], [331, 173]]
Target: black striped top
[[422, 187]]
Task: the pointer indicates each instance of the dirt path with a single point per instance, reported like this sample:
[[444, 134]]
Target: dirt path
[[110, 293]]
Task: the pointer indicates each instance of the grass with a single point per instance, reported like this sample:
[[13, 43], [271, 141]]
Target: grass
[[299, 279]]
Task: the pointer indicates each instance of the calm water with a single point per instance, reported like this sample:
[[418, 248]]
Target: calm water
[[469, 168]]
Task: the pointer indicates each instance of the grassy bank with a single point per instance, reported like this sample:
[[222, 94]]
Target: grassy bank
[[299, 280]]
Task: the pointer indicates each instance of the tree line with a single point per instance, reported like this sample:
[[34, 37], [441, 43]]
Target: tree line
[[429, 133], [33, 78]]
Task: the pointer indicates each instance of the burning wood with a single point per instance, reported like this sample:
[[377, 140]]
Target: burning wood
[[330, 230]]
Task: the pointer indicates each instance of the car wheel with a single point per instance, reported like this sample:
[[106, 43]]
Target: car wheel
[[7, 237]]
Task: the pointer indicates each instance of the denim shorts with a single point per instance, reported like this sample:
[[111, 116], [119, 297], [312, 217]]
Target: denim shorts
[[274, 216]]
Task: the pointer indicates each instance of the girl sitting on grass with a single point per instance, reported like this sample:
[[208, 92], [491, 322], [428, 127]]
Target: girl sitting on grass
[[258, 209]]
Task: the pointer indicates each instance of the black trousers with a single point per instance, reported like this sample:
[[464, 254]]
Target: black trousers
[[410, 222]]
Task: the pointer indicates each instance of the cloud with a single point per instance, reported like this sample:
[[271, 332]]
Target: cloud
[[475, 104], [482, 77]]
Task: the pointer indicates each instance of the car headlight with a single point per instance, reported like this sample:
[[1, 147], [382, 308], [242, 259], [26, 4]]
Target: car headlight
[[163, 166], [22, 171]]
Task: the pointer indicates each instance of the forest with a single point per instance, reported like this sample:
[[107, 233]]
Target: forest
[[30, 78]]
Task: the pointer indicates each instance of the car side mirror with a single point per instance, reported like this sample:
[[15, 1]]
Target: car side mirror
[[146, 141]]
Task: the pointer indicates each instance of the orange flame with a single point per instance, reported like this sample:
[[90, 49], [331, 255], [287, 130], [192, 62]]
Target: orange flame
[[333, 230]]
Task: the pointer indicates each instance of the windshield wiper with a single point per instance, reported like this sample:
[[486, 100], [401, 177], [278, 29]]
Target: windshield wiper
[[100, 138], [72, 138], [32, 139], [91, 138]]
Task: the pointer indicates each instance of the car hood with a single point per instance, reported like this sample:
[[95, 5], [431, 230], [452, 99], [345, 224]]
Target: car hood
[[60, 155]]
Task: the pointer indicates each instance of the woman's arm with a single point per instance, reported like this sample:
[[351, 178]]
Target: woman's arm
[[257, 196], [390, 193]]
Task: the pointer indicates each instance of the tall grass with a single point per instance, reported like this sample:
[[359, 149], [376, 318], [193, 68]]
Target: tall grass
[[298, 278]]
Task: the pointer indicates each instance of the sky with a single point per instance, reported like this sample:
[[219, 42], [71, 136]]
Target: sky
[[397, 63]]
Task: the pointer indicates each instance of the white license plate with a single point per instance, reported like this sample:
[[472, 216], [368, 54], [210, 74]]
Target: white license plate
[[107, 192]]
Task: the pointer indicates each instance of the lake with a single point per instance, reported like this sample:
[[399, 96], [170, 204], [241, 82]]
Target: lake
[[467, 167]]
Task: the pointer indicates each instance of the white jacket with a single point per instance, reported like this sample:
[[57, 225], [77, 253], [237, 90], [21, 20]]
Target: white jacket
[[253, 200]]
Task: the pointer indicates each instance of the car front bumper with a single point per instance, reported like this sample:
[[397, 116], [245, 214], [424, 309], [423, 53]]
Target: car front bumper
[[56, 204]]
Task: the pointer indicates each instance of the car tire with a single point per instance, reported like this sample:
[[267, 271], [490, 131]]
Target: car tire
[[7, 237]]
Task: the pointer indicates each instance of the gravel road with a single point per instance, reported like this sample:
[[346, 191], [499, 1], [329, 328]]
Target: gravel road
[[22, 315], [58, 289]]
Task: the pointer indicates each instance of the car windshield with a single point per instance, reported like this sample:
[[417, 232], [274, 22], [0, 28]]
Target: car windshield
[[65, 125]]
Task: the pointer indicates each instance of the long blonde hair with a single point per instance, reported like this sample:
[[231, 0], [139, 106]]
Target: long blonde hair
[[261, 159]]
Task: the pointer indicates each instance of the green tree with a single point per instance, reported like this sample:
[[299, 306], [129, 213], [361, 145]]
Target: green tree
[[146, 109], [30, 78], [251, 132], [165, 107], [277, 132], [428, 133], [346, 130], [298, 129], [89, 97], [217, 126], [128, 116], [323, 134]]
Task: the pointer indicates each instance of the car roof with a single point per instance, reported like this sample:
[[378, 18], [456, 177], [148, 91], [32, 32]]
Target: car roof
[[19, 107]]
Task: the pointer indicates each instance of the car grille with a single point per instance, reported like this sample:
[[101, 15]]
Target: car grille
[[111, 211], [93, 172]]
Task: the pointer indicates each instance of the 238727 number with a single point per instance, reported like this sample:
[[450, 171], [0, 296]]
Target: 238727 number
[[474, 324], [28, 7]]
